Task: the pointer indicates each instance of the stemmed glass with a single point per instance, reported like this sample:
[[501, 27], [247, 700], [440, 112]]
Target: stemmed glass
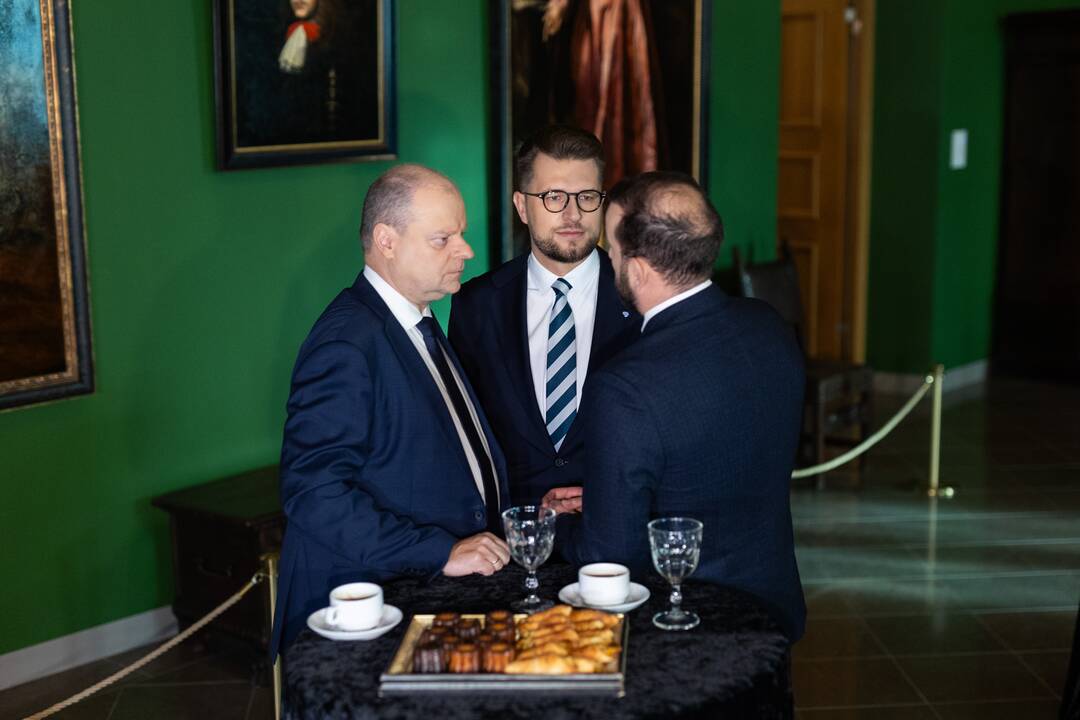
[[530, 533], [676, 546]]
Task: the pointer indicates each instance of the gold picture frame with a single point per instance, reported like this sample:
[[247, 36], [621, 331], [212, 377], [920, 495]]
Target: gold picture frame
[[45, 346]]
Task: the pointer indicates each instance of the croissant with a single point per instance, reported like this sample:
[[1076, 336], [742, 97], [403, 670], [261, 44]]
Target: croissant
[[542, 665]]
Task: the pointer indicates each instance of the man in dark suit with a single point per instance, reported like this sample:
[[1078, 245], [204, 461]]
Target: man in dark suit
[[700, 417], [530, 332], [388, 465]]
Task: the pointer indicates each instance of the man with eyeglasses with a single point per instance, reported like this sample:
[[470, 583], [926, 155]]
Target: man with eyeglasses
[[529, 332]]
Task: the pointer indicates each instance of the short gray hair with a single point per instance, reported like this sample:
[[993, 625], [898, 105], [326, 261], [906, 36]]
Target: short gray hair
[[389, 199]]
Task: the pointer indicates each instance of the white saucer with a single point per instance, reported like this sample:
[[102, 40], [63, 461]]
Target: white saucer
[[638, 595], [391, 616]]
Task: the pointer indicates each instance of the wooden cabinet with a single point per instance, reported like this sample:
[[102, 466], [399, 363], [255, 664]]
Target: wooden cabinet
[[219, 532]]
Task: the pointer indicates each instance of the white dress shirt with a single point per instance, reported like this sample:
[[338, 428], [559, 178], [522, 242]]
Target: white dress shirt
[[540, 297], [409, 315], [671, 301]]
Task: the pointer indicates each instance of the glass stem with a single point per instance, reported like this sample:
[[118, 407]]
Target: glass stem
[[676, 599], [531, 584]]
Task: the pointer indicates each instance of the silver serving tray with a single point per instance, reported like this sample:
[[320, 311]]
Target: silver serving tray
[[400, 680]]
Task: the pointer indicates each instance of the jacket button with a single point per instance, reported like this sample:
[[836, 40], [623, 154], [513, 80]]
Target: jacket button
[[559, 462], [478, 515]]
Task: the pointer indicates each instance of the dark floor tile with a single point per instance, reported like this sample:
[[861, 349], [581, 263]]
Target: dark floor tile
[[183, 702], [95, 707], [1033, 630], [836, 638], [1051, 666], [970, 678], [262, 704], [873, 712], [37, 695], [933, 634], [848, 682], [1031, 709]]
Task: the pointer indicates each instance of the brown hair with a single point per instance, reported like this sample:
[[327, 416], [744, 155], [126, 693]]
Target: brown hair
[[562, 142], [670, 223]]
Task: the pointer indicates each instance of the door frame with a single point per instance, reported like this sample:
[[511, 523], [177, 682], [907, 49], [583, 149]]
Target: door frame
[[857, 207]]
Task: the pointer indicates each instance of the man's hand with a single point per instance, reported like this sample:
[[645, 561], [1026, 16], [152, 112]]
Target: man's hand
[[483, 553], [563, 500]]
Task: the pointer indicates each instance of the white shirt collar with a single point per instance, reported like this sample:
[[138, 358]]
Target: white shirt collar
[[406, 313], [657, 309], [540, 278]]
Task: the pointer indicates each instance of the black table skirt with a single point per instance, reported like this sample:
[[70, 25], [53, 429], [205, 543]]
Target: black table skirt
[[735, 664]]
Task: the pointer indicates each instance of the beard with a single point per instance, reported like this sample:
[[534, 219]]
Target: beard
[[549, 247], [622, 286]]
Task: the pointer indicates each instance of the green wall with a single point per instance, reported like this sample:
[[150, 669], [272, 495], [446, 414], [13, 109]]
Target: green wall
[[934, 231], [204, 283]]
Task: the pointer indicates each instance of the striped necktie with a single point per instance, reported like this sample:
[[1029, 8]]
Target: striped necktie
[[561, 387]]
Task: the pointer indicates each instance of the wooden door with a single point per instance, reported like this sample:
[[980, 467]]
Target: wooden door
[[813, 168], [1037, 300]]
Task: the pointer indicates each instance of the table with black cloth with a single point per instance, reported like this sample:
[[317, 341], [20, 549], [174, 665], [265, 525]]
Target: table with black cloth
[[734, 664]]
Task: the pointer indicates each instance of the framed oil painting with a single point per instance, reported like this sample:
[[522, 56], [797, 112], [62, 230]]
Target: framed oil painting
[[304, 81], [45, 349], [633, 72]]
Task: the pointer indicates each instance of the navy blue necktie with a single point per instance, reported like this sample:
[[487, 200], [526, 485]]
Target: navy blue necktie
[[561, 387], [435, 342]]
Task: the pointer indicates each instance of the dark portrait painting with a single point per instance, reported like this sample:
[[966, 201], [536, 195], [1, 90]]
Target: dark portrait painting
[[303, 81], [44, 319], [632, 72]]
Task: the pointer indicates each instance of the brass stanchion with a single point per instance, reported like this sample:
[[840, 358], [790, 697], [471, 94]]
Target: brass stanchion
[[935, 490], [270, 563]]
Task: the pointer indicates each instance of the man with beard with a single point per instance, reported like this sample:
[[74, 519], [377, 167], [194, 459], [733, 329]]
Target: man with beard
[[700, 417], [530, 332]]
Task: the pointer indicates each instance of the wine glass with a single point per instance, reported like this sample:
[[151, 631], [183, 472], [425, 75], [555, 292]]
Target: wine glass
[[530, 533], [676, 546]]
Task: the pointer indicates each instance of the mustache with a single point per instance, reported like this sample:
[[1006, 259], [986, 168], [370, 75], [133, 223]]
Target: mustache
[[575, 227]]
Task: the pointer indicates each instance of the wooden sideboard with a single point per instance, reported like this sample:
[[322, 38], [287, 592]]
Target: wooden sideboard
[[219, 532]]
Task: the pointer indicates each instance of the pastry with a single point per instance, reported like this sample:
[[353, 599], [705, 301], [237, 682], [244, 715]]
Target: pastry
[[465, 658], [484, 639], [497, 656], [446, 619], [499, 616], [468, 628], [503, 632], [428, 658], [542, 665]]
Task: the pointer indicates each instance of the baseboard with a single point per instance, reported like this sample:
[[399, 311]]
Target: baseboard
[[956, 378], [63, 653]]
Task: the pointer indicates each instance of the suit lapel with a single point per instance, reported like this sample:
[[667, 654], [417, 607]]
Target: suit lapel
[[416, 369], [514, 340]]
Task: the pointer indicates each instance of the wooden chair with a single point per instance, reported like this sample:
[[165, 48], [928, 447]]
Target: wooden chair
[[839, 395]]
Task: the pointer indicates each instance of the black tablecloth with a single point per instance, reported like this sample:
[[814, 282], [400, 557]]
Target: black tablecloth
[[735, 664]]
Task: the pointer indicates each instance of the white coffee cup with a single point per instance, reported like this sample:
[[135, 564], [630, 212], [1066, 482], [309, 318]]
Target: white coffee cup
[[355, 606], [604, 583]]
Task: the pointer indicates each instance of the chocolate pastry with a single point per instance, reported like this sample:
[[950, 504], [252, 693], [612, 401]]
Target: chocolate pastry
[[446, 619], [428, 658], [468, 629]]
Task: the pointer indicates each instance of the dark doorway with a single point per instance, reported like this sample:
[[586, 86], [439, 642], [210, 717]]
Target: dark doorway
[[1037, 300]]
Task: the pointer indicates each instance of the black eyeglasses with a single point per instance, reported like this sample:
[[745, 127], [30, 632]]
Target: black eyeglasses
[[556, 200]]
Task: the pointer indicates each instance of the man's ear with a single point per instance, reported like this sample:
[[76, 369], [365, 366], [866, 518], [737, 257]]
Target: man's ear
[[519, 205], [384, 240], [639, 272]]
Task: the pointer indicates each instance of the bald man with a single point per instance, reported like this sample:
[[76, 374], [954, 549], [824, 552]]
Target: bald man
[[388, 465], [699, 418]]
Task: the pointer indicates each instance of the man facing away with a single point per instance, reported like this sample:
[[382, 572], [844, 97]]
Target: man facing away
[[530, 332], [388, 465], [700, 417]]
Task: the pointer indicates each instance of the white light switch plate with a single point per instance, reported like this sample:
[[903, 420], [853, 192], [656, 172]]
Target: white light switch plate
[[958, 149]]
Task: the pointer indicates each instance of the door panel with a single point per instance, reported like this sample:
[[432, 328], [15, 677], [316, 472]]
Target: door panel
[[812, 174]]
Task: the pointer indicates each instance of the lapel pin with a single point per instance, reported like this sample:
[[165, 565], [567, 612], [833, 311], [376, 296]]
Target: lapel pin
[[626, 313]]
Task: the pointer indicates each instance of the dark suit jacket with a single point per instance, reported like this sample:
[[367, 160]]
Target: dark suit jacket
[[374, 480], [488, 332], [699, 418]]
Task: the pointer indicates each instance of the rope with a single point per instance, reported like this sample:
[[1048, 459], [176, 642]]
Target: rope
[[870, 441], [121, 674]]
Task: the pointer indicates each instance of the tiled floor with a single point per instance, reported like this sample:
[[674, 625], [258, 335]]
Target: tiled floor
[[918, 609], [959, 608]]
